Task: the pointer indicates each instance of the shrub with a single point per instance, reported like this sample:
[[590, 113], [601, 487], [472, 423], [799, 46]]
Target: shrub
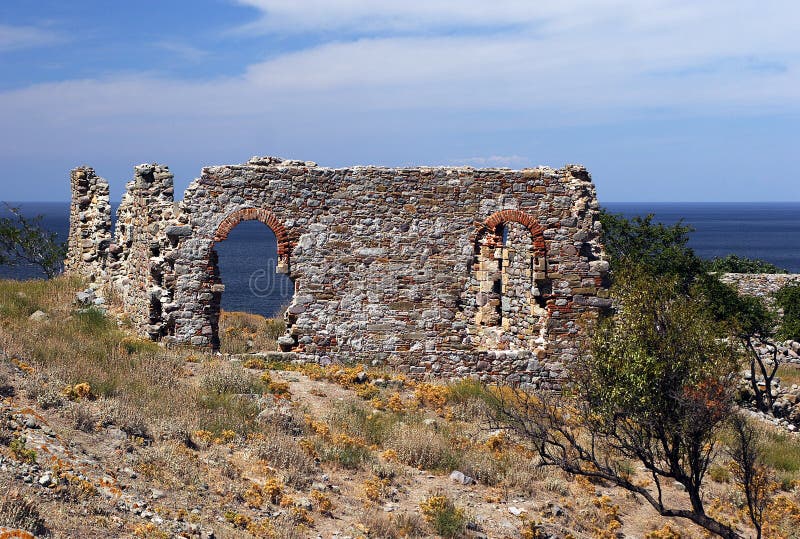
[[735, 264], [781, 452], [285, 454], [377, 488], [354, 419], [422, 447], [137, 345], [17, 511], [523, 471], [223, 379], [788, 299], [92, 321], [6, 389], [381, 525], [719, 473], [170, 464], [242, 332], [20, 452], [48, 397], [343, 450], [127, 417], [482, 464], [444, 517], [83, 417]]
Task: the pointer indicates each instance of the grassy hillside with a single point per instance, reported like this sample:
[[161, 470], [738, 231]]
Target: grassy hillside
[[103, 434]]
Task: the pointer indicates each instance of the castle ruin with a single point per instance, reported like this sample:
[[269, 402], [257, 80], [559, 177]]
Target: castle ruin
[[434, 270]]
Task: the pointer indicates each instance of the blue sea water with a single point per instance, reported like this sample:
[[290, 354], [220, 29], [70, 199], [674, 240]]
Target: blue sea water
[[769, 231], [766, 230]]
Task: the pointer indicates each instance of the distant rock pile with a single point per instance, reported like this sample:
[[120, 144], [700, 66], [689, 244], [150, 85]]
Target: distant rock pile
[[786, 410]]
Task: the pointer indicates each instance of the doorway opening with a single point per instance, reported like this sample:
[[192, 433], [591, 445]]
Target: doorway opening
[[251, 288]]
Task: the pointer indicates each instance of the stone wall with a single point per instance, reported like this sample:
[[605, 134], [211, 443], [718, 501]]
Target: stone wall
[[139, 260], [762, 285], [89, 226], [443, 270]]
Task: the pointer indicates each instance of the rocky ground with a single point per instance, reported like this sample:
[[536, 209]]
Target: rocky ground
[[104, 435], [98, 481]]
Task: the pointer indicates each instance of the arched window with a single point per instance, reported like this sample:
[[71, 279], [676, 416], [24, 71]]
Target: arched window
[[509, 282]]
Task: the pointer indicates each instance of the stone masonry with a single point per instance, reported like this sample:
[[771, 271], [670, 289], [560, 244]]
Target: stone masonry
[[447, 271]]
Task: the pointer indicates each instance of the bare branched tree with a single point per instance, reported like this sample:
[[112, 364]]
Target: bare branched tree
[[24, 240], [752, 476], [655, 390]]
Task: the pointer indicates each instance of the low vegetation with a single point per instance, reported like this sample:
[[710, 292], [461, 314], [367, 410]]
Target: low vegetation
[[245, 332], [737, 264], [24, 240], [284, 449]]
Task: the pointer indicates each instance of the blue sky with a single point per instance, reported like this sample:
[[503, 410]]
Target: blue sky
[[663, 100]]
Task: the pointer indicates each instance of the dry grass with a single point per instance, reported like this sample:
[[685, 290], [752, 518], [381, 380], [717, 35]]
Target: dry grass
[[354, 419], [209, 428], [789, 374], [170, 465], [17, 511], [781, 452], [139, 383], [245, 332], [423, 447], [286, 456], [382, 525]]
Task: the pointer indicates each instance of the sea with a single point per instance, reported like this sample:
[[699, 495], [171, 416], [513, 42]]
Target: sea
[[766, 230]]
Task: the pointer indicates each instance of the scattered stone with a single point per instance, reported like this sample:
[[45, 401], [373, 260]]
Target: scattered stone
[[304, 503], [459, 477], [38, 316]]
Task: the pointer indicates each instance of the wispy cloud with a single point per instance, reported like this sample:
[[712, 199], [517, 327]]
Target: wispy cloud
[[396, 69], [24, 37], [183, 51]]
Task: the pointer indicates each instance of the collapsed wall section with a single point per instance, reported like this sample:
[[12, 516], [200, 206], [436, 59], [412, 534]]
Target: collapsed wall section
[[89, 226], [139, 262]]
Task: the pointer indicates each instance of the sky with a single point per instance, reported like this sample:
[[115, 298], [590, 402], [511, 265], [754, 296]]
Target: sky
[[662, 100]]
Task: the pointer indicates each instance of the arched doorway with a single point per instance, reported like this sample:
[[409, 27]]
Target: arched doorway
[[508, 288], [250, 282]]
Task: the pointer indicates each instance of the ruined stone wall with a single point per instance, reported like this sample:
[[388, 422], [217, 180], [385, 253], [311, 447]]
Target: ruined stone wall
[[435, 270], [89, 225], [138, 263], [762, 285]]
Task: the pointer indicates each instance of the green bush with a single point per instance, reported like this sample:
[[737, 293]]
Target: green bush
[[20, 452], [788, 299], [736, 264], [444, 516], [654, 248], [354, 419]]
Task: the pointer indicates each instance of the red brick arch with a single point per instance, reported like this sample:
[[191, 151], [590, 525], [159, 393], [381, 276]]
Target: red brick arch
[[525, 219], [256, 214]]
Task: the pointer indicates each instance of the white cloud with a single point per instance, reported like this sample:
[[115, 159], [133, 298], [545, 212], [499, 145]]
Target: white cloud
[[581, 63], [396, 70], [23, 37]]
